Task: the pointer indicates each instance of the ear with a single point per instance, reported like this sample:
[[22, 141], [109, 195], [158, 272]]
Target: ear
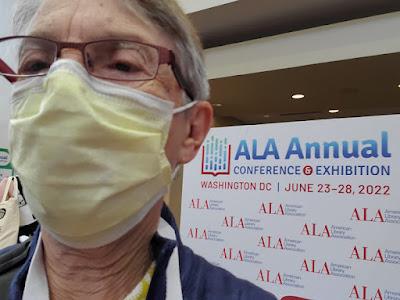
[[200, 119]]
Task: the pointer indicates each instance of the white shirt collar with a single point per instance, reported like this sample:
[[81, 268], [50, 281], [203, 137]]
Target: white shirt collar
[[36, 285]]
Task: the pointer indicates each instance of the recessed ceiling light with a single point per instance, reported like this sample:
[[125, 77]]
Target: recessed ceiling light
[[298, 96], [398, 86], [217, 104], [333, 111]]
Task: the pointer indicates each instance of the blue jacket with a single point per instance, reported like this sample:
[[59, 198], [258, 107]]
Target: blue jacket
[[200, 280]]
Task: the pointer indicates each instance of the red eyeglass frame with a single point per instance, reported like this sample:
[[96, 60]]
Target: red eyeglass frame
[[166, 56], [6, 69]]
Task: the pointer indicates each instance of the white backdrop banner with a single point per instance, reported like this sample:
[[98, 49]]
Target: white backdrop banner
[[308, 209]]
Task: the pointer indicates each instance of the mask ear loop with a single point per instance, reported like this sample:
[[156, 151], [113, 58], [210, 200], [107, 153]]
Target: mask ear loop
[[184, 107], [178, 111], [175, 172]]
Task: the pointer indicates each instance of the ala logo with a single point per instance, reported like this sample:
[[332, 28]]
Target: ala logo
[[216, 157]]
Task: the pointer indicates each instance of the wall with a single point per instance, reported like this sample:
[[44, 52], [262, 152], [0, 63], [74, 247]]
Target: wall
[[5, 87], [190, 6], [357, 38]]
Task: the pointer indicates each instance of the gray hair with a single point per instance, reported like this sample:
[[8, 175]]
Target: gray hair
[[169, 18]]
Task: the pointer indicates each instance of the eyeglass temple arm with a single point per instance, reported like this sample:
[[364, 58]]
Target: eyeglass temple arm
[[6, 69], [168, 57]]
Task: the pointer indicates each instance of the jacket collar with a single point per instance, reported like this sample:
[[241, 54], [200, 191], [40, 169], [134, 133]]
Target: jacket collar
[[165, 252]]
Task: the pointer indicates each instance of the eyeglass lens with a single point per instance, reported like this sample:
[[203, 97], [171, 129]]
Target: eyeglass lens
[[116, 60], [121, 60], [28, 56]]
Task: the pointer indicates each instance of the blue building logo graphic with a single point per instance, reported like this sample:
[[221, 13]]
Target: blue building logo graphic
[[216, 157]]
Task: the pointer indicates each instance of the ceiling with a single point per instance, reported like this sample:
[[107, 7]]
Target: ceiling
[[249, 19], [364, 86]]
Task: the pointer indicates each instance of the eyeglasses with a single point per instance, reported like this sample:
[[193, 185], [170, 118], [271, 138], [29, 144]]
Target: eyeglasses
[[119, 60]]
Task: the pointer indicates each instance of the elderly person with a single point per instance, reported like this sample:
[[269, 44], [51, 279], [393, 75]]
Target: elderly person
[[107, 103]]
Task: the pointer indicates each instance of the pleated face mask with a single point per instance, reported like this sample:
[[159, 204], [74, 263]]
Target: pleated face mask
[[90, 154]]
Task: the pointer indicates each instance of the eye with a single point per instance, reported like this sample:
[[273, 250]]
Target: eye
[[125, 67], [89, 61], [34, 67]]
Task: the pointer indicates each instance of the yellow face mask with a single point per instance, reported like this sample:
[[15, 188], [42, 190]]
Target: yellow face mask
[[90, 153]]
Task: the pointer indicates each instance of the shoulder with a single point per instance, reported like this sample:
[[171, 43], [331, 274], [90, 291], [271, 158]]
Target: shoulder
[[13, 257], [202, 280], [11, 260]]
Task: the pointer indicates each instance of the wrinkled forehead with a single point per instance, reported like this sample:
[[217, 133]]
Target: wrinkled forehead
[[88, 20]]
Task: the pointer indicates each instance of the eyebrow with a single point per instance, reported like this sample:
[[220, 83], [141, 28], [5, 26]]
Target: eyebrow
[[104, 35]]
